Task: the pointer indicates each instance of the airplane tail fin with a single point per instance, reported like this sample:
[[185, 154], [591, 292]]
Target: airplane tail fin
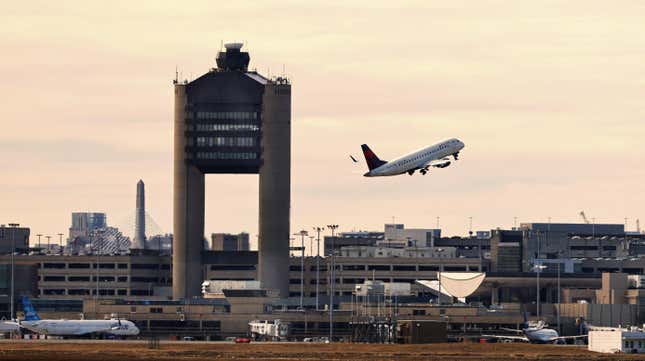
[[372, 160], [526, 320], [30, 312]]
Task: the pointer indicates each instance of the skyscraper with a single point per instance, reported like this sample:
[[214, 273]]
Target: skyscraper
[[231, 120], [140, 221]]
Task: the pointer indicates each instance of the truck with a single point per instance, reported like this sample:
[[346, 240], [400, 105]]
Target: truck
[[265, 330]]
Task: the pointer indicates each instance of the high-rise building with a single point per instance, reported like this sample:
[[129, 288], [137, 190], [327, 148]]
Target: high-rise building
[[229, 242], [83, 223], [231, 120], [140, 221]]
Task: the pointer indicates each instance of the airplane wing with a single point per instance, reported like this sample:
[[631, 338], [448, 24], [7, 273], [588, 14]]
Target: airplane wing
[[511, 330], [511, 338], [6, 326], [571, 337]]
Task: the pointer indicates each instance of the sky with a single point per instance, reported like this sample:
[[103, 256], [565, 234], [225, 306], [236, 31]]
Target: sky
[[547, 96]]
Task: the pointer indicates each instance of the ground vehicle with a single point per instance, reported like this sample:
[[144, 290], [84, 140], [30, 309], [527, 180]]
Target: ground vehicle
[[242, 340], [275, 330]]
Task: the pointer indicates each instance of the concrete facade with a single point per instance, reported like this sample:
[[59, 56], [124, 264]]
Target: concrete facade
[[231, 120]]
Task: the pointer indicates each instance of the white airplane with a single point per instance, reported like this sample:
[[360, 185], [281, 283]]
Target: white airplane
[[432, 156], [32, 322], [535, 332]]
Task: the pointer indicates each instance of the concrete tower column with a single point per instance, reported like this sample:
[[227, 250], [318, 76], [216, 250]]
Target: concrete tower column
[[140, 221], [275, 188], [188, 204]]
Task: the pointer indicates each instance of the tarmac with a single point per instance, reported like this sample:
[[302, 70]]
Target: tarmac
[[95, 350]]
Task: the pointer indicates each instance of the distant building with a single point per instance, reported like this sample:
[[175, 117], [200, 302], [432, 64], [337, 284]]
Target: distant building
[[568, 240], [160, 242], [106, 240], [230, 242], [419, 237], [468, 247], [408, 252], [346, 239], [14, 236], [506, 251], [83, 223]]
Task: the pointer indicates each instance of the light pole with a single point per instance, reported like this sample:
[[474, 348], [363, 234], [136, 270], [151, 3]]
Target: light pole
[[48, 242], [60, 242], [13, 250], [538, 269], [440, 251], [39, 235], [318, 230], [332, 280], [302, 234], [559, 292]]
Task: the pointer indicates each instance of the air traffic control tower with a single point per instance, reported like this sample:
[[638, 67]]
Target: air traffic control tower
[[231, 121]]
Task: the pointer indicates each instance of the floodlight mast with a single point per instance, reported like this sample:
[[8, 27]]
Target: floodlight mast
[[332, 280]]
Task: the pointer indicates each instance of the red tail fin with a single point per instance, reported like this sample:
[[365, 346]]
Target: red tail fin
[[372, 160]]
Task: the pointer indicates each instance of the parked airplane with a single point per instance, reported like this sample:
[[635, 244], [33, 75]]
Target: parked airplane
[[112, 326], [432, 156], [536, 332]]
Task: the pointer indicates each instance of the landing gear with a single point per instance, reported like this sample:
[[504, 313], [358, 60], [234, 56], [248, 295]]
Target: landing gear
[[411, 172], [423, 171], [456, 156]]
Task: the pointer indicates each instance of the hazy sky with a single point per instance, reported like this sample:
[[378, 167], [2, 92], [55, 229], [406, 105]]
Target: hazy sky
[[547, 95]]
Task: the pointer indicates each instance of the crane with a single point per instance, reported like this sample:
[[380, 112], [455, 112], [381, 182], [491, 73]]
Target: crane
[[584, 217]]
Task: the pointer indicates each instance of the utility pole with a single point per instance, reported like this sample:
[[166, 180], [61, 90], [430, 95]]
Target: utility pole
[[332, 280], [318, 230]]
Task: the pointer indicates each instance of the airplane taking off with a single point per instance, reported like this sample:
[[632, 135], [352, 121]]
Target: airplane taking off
[[432, 156], [32, 322]]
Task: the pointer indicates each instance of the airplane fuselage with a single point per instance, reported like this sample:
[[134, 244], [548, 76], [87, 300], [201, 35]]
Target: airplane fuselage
[[82, 327], [541, 335], [421, 159]]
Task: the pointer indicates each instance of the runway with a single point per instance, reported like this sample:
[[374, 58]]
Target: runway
[[98, 350]]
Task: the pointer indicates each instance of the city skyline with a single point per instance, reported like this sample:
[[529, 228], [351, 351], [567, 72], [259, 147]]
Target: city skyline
[[546, 99]]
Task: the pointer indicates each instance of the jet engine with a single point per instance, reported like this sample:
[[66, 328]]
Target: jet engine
[[442, 164]]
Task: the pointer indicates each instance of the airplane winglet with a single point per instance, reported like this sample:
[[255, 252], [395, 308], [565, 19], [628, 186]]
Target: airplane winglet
[[354, 159]]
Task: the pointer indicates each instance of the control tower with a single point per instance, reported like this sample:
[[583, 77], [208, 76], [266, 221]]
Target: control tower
[[231, 121]]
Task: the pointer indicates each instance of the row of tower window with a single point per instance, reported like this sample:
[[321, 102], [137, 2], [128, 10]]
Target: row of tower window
[[225, 115], [225, 141], [227, 127], [224, 155]]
